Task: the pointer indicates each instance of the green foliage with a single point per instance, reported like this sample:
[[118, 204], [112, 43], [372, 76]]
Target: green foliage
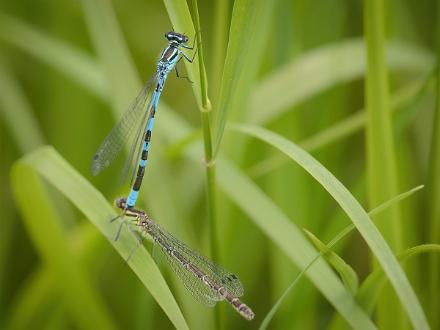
[[49, 239], [347, 274], [326, 249], [356, 214], [299, 70]]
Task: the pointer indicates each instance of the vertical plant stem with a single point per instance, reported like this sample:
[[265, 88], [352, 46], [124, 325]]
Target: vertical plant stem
[[205, 111], [433, 194], [381, 164]]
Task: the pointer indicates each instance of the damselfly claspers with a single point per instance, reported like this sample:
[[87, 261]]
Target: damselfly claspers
[[207, 282], [140, 114]]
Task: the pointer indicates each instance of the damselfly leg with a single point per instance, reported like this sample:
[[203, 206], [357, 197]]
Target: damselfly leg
[[139, 238]]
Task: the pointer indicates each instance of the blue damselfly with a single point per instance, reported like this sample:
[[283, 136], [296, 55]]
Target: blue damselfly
[[140, 116], [206, 281]]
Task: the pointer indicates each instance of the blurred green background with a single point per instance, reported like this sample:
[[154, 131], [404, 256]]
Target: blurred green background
[[355, 83]]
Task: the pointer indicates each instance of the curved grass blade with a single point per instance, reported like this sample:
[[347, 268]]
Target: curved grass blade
[[17, 112], [246, 40], [242, 191], [39, 293], [348, 275], [119, 70], [372, 286], [56, 53], [44, 227], [48, 164], [321, 68], [343, 233], [36, 294], [290, 239], [403, 99], [356, 213]]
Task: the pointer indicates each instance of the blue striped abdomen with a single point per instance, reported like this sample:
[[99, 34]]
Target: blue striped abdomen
[[132, 197], [168, 61]]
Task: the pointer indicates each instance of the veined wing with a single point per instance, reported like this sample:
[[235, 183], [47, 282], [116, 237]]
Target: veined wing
[[219, 275], [199, 290], [135, 149], [127, 126]]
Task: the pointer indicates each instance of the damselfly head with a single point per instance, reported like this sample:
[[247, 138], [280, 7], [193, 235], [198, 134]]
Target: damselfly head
[[121, 203], [176, 37]]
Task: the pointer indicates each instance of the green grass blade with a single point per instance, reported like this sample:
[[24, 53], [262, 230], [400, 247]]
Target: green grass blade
[[56, 53], [44, 227], [220, 40], [433, 193], [17, 112], [49, 165], [206, 104], [248, 18], [290, 239], [241, 190], [37, 297], [28, 302], [348, 275], [381, 163], [321, 68], [401, 100], [380, 153], [113, 55], [357, 215], [382, 207], [372, 286], [343, 233]]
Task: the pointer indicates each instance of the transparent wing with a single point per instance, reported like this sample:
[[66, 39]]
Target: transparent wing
[[199, 290], [135, 151], [219, 275], [121, 133]]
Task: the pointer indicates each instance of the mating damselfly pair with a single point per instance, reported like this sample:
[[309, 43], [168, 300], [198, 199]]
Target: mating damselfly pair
[[206, 281]]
